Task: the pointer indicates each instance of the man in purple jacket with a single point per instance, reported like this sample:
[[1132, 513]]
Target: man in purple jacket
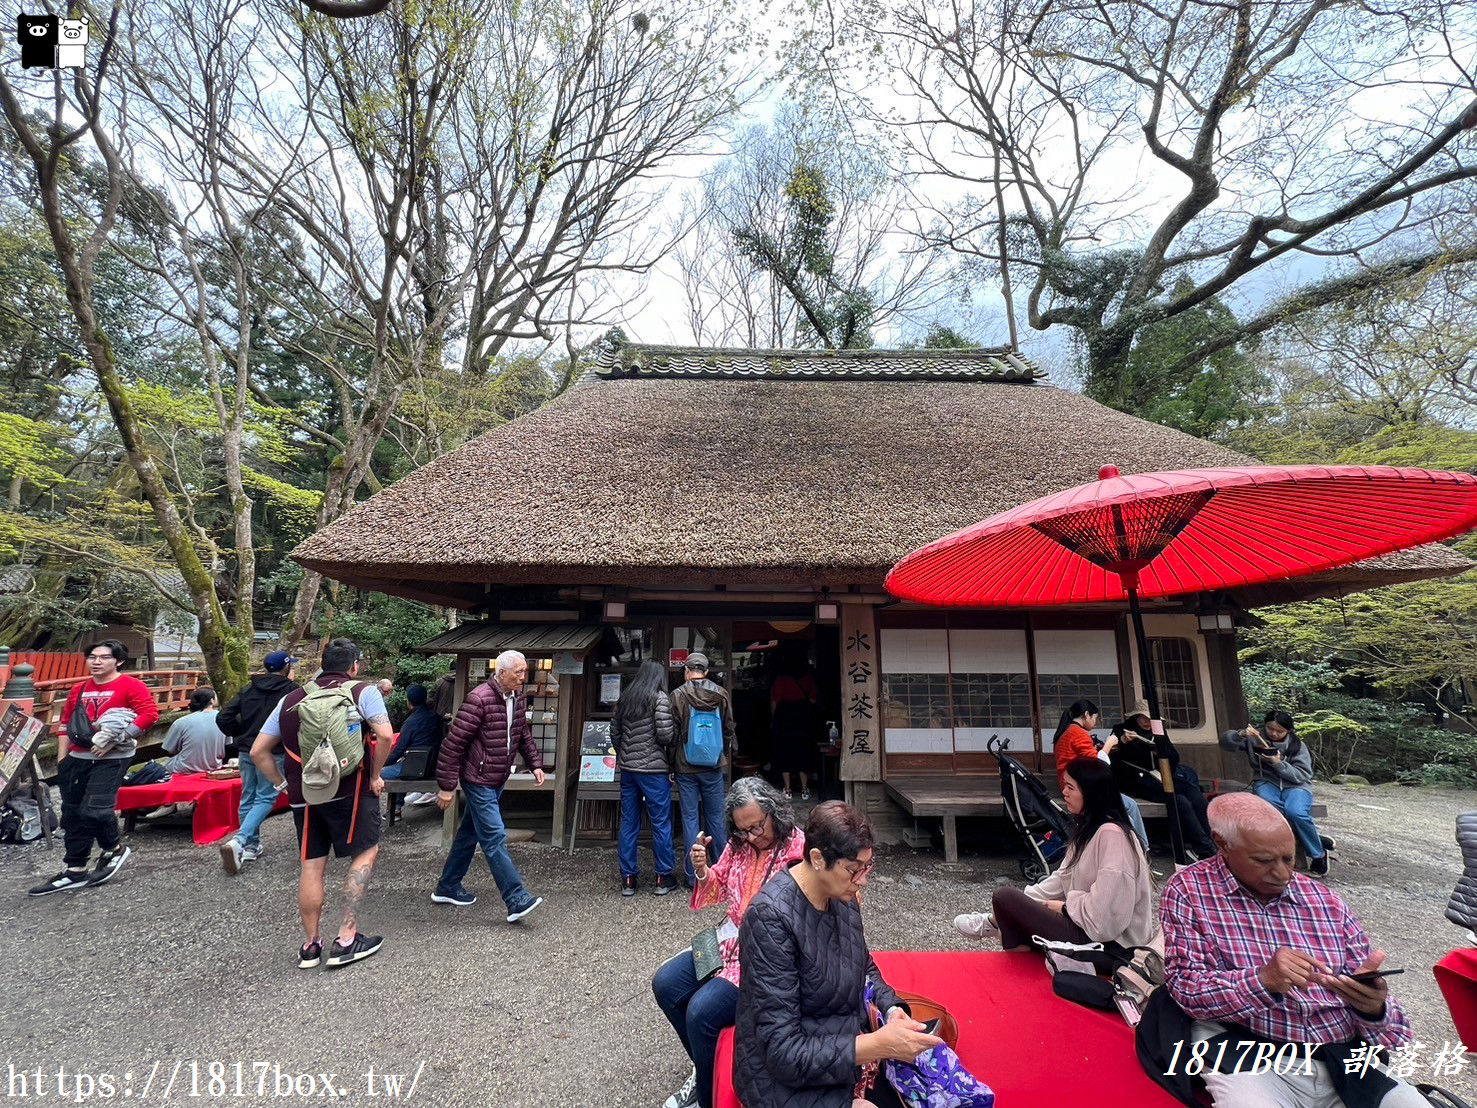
[[478, 756]]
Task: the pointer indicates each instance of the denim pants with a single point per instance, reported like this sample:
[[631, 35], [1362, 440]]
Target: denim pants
[[1136, 819], [483, 826], [707, 785], [258, 798], [1296, 803], [89, 789], [699, 1011], [657, 791]]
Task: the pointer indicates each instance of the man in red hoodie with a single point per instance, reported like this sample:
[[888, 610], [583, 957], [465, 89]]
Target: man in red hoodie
[[104, 717]]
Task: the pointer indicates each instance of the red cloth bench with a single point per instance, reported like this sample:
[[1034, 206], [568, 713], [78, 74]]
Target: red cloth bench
[[1015, 1034], [1457, 976], [217, 803]]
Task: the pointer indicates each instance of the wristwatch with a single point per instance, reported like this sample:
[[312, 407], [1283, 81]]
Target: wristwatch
[[281, 786]]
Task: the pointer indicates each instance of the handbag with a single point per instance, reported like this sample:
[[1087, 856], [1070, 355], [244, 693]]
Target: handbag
[[707, 957], [936, 1078]]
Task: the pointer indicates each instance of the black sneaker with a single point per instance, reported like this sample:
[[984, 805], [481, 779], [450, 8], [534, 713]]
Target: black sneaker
[[1319, 866], [458, 896], [664, 885], [362, 947], [628, 886], [109, 864], [310, 954], [518, 913], [67, 879], [1329, 843]]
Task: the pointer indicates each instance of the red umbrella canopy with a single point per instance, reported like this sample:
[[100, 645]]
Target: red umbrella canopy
[[1186, 531]]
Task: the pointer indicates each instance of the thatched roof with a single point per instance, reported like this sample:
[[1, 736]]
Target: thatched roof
[[647, 475]]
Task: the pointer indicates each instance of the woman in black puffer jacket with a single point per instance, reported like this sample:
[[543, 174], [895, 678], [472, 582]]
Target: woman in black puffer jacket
[[642, 734], [803, 1038]]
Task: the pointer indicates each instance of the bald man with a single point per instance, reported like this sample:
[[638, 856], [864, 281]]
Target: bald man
[[1257, 953]]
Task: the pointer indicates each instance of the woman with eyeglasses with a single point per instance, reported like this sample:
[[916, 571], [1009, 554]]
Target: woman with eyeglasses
[[765, 842], [1102, 891], [804, 1039]]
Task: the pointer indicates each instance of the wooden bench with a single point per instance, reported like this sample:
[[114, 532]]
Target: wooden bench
[[948, 798]]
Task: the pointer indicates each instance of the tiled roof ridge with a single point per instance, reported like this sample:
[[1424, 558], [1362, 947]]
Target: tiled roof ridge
[[657, 360]]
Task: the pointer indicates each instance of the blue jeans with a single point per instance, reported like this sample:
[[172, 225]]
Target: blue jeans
[[1136, 818], [392, 773], [483, 826], [698, 1010], [708, 785], [1296, 803], [658, 793], [258, 798]]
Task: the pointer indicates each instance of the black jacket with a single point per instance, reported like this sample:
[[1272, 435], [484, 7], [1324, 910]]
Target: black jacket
[[800, 1000], [244, 713], [1134, 764], [1461, 909], [644, 745]]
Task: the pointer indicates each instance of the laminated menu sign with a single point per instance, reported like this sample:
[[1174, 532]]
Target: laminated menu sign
[[19, 734], [597, 756], [610, 688]]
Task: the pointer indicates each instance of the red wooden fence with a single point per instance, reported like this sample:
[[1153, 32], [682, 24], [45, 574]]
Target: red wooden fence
[[171, 689], [51, 665]]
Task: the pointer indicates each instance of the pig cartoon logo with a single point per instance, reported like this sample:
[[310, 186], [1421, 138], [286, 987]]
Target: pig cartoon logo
[[39, 36]]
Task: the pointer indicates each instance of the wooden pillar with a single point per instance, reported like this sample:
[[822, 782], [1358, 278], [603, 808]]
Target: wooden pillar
[[566, 757], [861, 702], [463, 680]]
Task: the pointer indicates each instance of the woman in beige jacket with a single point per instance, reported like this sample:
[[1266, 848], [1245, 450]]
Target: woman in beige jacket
[[1102, 892]]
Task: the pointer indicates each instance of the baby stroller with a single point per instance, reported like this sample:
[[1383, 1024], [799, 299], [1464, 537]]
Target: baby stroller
[[1043, 825]]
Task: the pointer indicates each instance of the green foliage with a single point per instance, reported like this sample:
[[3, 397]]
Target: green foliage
[[28, 450], [941, 337], [1208, 399], [386, 628], [1380, 739]]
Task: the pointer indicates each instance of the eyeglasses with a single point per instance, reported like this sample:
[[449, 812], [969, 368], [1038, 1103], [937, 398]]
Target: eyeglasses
[[751, 832], [861, 870]]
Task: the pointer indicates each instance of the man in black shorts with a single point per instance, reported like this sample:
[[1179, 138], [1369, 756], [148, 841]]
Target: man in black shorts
[[349, 822]]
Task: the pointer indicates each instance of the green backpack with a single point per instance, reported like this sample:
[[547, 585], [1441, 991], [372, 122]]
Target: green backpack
[[330, 738]]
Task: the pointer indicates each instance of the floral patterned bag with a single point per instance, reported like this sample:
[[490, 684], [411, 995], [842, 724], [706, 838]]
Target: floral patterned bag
[[934, 1079]]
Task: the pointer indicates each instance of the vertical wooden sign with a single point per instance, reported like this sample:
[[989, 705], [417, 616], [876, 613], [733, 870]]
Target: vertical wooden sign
[[861, 713]]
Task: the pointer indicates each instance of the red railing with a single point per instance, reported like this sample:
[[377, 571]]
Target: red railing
[[171, 689], [51, 665]]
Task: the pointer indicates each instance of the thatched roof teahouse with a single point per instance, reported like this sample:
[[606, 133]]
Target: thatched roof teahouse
[[749, 502]]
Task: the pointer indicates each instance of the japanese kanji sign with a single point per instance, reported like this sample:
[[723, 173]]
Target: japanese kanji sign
[[861, 729]]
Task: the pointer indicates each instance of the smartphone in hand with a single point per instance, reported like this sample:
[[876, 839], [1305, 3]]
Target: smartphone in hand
[[931, 1027], [1373, 976]]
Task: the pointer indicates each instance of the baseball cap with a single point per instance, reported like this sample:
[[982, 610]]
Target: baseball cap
[[279, 659], [696, 660]]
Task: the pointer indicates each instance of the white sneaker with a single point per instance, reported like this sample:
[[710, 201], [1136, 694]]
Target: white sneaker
[[975, 925], [685, 1095], [232, 855]]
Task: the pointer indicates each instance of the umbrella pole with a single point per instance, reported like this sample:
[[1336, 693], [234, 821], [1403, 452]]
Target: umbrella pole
[[1161, 738]]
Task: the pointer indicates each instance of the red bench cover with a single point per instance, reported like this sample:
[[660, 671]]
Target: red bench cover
[[1015, 1034], [217, 803]]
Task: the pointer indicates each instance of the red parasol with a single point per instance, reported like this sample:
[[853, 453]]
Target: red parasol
[[1188, 531]]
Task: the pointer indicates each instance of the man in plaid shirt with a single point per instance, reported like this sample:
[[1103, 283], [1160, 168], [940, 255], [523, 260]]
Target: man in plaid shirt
[[1249, 942]]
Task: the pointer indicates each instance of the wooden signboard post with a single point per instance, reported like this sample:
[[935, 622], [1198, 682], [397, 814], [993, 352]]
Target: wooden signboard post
[[597, 779], [19, 736]]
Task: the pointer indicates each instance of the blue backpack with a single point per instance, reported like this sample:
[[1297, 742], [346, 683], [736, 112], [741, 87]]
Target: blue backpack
[[704, 745]]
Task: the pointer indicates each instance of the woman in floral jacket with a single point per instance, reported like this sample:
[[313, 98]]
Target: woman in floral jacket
[[765, 842]]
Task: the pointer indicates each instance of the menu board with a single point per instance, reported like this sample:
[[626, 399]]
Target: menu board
[[19, 735], [597, 756]]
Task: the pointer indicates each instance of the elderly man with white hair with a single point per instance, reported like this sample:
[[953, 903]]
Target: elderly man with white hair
[[489, 729], [1258, 954]]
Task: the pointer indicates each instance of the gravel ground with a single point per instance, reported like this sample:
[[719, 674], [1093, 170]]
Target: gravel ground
[[176, 961]]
